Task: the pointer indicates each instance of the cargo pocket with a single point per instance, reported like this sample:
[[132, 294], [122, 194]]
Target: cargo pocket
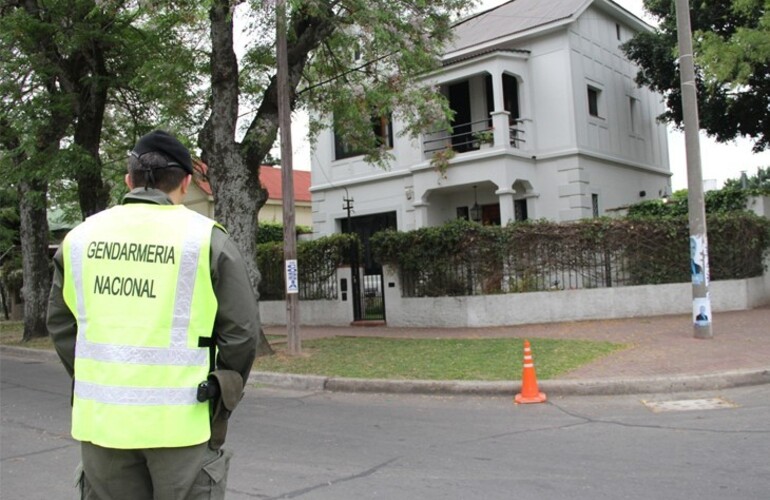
[[82, 487], [212, 479], [79, 476]]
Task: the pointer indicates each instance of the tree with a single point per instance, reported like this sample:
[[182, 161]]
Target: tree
[[759, 182], [32, 124], [78, 69], [118, 68], [349, 60], [10, 262], [731, 41], [32, 189]]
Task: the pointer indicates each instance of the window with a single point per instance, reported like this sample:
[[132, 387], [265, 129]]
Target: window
[[520, 210], [382, 128], [593, 101], [595, 204], [383, 131], [633, 110], [617, 30]]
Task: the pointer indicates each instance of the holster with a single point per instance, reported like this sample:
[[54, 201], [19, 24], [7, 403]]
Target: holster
[[231, 391]]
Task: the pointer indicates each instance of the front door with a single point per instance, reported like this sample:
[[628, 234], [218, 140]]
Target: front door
[[490, 215]]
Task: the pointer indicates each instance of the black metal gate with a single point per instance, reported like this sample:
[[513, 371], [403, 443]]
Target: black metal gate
[[373, 298], [368, 288]]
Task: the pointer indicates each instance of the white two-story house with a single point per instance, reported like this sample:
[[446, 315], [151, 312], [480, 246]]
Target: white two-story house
[[572, 134]]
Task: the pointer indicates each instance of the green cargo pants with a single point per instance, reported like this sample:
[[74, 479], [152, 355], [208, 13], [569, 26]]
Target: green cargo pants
[[188, 473]]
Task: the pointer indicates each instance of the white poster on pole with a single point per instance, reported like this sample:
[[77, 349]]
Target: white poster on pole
[[292, 276]]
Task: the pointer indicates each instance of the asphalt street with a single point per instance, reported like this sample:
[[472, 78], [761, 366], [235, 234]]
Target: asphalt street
[[326, 445]]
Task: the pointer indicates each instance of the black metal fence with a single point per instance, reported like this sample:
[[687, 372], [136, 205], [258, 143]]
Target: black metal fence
[[552, 269], [462, 258], [465, 258], [314, 284], [317, 263]]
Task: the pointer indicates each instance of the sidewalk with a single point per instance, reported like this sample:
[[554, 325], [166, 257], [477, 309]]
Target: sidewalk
[[664, 355]]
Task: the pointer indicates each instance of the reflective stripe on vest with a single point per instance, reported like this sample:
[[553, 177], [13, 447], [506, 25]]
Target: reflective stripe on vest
[[144, 396]]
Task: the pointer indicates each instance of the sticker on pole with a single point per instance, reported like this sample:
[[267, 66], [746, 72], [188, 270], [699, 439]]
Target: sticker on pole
[[292, 276]]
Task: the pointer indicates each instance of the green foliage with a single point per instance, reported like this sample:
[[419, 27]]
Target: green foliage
[[272, 232], [465, 258], [486, 136], [731, 41], [93, 76], [10, 251], [442, 260], [757, 184], [9, 218], [720, 201], [440, 160], [369, 65], [317, 261]]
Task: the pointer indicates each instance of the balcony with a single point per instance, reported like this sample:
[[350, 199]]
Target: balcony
[[476, 135]]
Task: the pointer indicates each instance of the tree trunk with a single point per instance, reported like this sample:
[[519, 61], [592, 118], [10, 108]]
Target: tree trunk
[[35, 261], [235, 184], [93, 194], [233, 167]]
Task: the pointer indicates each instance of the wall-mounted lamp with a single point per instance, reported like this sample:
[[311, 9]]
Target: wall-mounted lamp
[[475, 209]]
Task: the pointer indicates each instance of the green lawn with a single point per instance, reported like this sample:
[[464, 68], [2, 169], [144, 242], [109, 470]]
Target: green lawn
[[11, 332], [424, 359], [434, 359]]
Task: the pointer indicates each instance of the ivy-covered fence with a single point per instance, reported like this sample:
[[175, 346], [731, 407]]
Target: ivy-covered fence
[[317, 261], [465, 258]]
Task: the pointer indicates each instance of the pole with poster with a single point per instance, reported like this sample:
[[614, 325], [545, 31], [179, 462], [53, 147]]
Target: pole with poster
[[287, 184], [701, 300]]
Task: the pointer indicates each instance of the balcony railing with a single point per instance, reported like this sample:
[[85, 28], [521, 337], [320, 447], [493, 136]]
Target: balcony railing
[[469, 137]]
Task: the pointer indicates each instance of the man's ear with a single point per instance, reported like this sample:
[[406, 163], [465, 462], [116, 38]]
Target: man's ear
[[130, 184], [186, 183]]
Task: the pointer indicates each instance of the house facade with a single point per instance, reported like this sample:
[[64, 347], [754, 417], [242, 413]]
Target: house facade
[[548, 123]]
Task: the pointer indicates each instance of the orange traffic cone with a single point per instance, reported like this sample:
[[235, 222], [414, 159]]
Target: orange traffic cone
[[529, 391]]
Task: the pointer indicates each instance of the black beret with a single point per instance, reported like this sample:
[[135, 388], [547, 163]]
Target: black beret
[[165, 143]]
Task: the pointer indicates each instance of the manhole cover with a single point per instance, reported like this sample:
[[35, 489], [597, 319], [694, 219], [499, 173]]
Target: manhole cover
[[689, 405]]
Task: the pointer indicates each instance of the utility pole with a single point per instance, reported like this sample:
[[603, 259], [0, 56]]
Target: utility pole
[[287, 183], [699, 262], [355, 276]]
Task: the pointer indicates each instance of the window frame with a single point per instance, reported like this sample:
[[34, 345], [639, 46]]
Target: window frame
[[382, 128], [595, 103]]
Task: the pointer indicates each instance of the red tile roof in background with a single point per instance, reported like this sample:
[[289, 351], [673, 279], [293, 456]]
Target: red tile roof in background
[[269, 177]]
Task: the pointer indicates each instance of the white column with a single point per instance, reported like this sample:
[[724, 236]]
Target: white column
[[507, 213], [500, 124], [421, 214]]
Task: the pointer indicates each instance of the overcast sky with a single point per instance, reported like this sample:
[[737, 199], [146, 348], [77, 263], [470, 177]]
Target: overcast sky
[[719, 162]]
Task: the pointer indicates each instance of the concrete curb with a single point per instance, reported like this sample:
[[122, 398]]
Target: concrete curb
[[585, 387], [26, 352]]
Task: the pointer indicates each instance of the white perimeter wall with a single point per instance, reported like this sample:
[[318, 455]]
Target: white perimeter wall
[[527, 308]]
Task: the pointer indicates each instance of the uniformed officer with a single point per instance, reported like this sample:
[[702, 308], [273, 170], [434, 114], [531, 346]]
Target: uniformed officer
[[142, 295]]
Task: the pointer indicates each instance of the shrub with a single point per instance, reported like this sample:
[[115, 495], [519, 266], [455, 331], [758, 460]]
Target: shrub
[[272, 231], [466, 258], [317, 261]]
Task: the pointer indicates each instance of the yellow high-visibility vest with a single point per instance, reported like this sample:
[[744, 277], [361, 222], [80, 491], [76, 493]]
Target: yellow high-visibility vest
[[137, 278]]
